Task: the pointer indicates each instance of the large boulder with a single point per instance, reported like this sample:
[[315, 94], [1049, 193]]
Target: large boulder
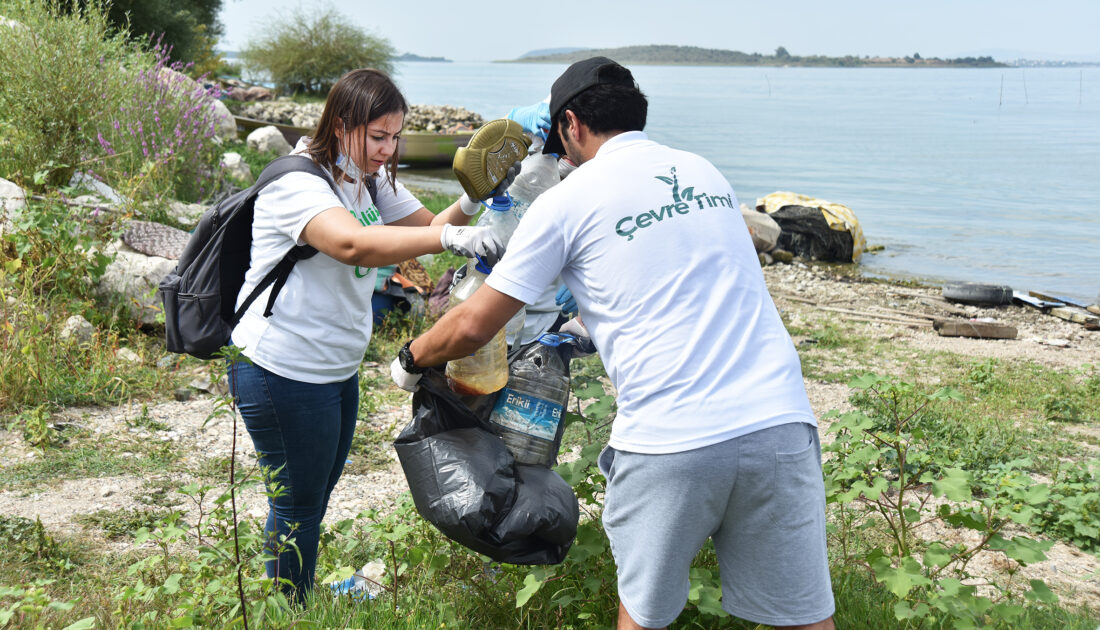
[[135, 277], [12, 201], [268, 139]]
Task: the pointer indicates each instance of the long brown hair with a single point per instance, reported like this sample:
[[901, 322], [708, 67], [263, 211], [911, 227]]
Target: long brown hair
[[359, 97]]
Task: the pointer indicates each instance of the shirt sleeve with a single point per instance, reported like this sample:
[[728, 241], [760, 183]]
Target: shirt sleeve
[[291, 201], [536, 253], [394, 205]]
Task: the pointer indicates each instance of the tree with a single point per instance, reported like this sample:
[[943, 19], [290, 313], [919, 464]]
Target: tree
[[781, 53], [309, 52], [189, 27], [916, 55]]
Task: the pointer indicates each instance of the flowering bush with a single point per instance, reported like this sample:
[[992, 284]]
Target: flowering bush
[[160, 138]]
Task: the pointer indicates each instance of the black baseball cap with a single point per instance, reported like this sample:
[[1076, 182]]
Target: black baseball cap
[[577, 78]]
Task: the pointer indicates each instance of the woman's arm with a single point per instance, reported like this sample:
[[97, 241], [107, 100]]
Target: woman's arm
[[336, 233], [455, 214]]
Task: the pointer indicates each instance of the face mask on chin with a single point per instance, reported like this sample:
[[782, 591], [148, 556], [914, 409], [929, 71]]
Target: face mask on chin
[[348, 165], [350, 168]]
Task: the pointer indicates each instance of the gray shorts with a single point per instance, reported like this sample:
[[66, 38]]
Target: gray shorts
[[760, 497]]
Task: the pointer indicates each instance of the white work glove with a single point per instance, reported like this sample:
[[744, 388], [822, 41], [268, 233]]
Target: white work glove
[[404, 380], [469, 206], [470, 241]]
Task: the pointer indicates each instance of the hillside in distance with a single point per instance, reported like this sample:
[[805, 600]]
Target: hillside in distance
[[695, 56]]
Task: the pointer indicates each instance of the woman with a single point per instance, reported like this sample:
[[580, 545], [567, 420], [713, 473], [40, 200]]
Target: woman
[[299, 394]]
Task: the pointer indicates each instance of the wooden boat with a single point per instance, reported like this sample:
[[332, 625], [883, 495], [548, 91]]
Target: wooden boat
[[416, 148]]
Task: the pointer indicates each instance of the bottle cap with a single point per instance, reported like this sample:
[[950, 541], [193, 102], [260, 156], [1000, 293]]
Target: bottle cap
[[482, 266], [502, 203], [551, 339]]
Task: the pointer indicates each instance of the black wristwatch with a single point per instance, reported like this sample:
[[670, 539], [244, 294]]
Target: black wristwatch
[[405, 357]]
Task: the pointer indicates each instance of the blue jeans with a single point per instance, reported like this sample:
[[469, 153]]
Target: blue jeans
[[303, 431]]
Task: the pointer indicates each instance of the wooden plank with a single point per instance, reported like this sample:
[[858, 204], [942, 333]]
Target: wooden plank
[[870, 320], [977, 330], [878, 316], [913, 314], [1077, 316]]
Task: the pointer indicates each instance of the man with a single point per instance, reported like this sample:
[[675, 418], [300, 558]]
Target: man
[[714, 436]]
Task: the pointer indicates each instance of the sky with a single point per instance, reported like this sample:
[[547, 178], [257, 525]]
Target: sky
[[489, 30]]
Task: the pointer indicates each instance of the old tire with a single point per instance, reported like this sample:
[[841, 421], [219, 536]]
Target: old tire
[[978, 294]]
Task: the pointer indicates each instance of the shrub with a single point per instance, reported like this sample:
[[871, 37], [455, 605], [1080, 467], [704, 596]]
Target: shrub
[[74, 95], [59, 74], [308, 52]]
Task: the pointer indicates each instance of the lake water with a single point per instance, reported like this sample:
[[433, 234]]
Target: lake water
[[987, 175]]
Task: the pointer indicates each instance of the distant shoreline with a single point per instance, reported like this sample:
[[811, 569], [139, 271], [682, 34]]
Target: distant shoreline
[[695, 56]]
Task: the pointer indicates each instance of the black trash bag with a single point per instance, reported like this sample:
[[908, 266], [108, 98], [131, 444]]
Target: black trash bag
[[806, 233], [465, 482]]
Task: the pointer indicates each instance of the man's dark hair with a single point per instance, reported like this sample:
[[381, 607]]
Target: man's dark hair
[[608, 107]]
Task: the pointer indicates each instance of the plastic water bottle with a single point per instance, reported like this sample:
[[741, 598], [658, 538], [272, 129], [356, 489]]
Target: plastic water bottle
[[501, 218], [486, 370], [514, 327], [537, 173], [529, 411]]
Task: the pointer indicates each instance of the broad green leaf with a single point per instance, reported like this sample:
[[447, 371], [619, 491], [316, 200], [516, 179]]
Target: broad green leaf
[[531, 585], [954, 486], [172, 584], [338, 575], [84, 624], [1041, 592], [898, 580], [937, 555]]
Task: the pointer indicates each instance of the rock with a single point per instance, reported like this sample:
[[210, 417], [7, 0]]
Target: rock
[[128, 355], [187, 214], [226, 127], [782, 255], [12, 202], [86, 181], [182, 394], [135, 277], [762, 228], [235, 167], [268, 139], [78, 330], [107, 491]]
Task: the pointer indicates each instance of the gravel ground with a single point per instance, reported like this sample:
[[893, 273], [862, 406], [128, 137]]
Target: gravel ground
[[800, 291]]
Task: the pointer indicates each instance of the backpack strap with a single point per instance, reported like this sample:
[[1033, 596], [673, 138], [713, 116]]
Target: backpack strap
[[281, 271]]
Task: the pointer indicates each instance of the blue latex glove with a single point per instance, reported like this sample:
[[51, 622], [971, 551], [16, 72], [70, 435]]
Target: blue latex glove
[[534, 118], [565, 300]]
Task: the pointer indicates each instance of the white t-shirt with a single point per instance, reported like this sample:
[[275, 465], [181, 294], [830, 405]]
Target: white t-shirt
[[321, 320], [651, 242]]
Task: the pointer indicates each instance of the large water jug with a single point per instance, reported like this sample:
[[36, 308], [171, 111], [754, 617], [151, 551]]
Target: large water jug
[[530, 410], [537, 173], [486, 370]]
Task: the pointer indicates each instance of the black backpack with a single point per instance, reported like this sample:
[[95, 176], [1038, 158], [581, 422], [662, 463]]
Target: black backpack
[[200, 293]]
